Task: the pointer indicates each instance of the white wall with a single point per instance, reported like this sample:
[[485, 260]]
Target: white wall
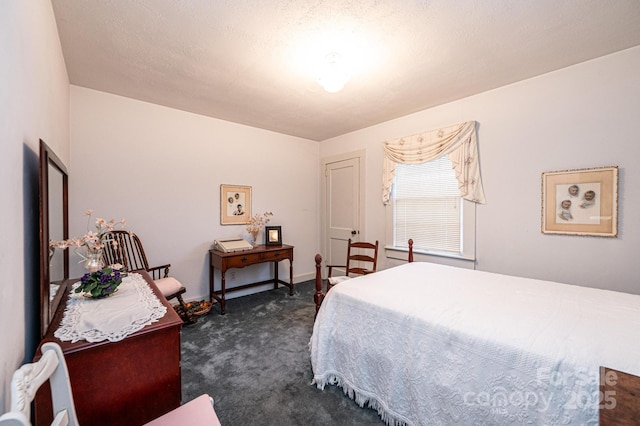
[[34, 104], [161, 170], [579, 117]]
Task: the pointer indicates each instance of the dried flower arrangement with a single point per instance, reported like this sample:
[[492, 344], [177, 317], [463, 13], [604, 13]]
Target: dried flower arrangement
[[257, 222]]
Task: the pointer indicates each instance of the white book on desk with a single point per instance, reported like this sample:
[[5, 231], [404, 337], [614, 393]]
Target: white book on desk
[[229, 246]]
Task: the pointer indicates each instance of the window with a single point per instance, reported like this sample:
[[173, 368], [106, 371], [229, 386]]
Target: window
[[427, 207]]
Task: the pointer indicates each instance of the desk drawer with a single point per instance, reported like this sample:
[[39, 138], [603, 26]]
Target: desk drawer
[[243, 260], [274, 256]]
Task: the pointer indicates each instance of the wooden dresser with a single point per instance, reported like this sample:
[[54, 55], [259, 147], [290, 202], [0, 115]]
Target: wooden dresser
[[619, 398], [129, 382]]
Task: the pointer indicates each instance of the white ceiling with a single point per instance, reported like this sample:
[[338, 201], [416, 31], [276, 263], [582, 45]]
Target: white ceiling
[[252, 61]]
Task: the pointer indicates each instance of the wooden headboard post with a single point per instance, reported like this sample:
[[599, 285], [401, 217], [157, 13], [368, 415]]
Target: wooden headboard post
[[318, 295], [410, 250]]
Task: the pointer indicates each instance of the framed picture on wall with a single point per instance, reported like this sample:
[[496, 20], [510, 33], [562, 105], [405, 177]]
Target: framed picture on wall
[[580, 202], [273, 235], [235, 204]]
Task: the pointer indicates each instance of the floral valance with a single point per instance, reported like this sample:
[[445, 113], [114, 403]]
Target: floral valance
[[458, 142]]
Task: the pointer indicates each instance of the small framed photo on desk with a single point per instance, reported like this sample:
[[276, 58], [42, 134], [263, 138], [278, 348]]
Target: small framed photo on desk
[[273, 235]]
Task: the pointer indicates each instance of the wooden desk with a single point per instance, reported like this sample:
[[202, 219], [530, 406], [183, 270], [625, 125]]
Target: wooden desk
[[240, 259], [129, 382]]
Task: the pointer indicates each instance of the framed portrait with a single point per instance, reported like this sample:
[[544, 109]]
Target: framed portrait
[[273, 235], [235, 204], [580, 202]]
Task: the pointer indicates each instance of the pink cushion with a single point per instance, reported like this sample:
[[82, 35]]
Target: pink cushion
[[197, 412], [337, 280], [168, 285]]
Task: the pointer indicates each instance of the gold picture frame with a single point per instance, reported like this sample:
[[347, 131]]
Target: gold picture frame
[[580, 202], [235, 204]]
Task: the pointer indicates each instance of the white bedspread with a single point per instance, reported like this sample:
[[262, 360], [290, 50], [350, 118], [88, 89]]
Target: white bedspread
[[426, 344]]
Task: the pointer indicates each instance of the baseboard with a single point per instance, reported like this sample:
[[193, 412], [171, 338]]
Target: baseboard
[[297, 279]]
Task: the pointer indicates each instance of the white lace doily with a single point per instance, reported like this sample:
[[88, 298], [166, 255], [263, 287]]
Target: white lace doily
[[112, 318]]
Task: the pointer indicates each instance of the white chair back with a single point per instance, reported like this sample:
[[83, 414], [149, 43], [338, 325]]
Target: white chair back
[[52, 366], [27, 380]]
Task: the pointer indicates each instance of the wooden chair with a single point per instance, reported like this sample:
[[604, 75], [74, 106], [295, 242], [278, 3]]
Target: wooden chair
[[319, 295], [357, 251], [130, 253], [52, 366]]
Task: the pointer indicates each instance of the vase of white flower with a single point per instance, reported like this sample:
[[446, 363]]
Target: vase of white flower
[[90, 246], [253, 237], [255, 224], [93, 260]]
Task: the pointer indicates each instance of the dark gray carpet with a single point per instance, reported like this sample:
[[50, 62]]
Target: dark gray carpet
[[254, 362]]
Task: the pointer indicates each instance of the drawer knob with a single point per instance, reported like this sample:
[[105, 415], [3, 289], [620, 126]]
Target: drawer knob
[[243, 259]]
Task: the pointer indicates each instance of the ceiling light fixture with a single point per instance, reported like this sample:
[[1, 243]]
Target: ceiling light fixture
[[333, 74]]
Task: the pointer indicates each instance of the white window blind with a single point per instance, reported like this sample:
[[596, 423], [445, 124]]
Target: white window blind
[[427, 206]]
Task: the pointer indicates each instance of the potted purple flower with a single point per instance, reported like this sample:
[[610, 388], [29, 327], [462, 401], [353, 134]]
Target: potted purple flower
[[101, 283]]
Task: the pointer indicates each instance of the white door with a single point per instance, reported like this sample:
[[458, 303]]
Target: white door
[[342, 208]]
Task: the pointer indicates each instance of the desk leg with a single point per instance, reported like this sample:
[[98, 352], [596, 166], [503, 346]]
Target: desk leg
[[223, 299], [275, 275], [291, 277], [211, 299]]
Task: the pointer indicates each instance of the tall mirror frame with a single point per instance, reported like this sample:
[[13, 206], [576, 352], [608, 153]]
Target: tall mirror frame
[[54, 225]]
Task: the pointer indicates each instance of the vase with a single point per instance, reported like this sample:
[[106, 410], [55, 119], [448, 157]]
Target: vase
[[93, 261], [254, 238]]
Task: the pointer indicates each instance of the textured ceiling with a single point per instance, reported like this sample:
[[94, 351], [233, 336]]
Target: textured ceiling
[[253, 62]]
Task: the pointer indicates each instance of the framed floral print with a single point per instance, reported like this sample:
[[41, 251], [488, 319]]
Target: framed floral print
[[580, 202]]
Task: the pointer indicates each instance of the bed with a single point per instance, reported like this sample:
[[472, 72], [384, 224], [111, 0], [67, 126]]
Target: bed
[[426, 344]]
